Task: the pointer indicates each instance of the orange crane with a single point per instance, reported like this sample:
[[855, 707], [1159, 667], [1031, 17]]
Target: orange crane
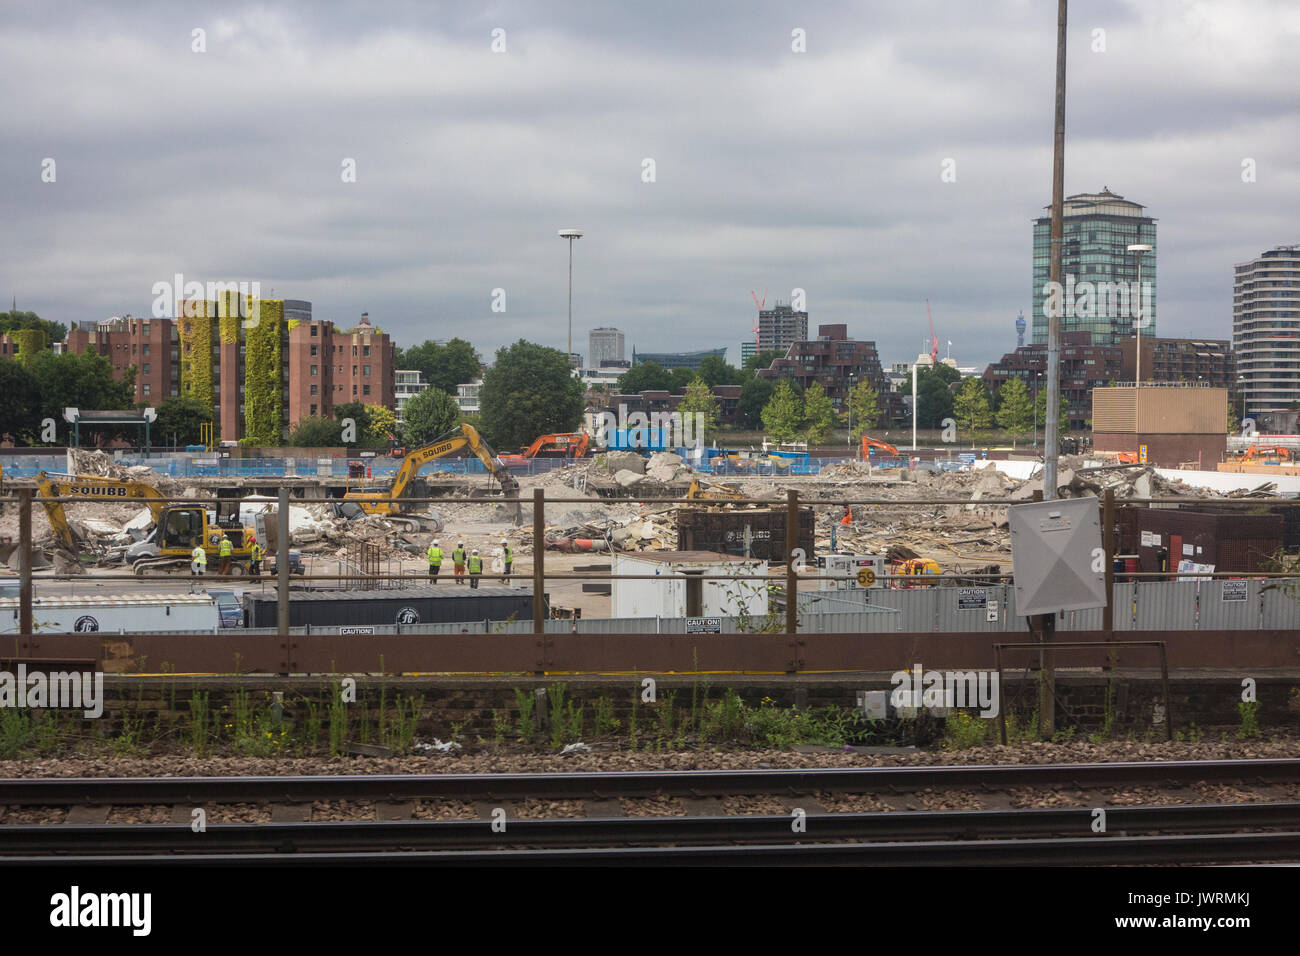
[[569, 444], [870, 443]]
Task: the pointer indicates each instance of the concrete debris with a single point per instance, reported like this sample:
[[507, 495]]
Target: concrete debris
[[626, 478], [616, 461]]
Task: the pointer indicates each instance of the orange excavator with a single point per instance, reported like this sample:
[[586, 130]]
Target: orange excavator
[[885, 448], [1267, 453], [556, 445]]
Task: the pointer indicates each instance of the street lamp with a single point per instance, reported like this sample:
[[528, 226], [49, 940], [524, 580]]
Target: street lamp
[[852, 381], [1139, 248], [1037, 376], [570, 234]]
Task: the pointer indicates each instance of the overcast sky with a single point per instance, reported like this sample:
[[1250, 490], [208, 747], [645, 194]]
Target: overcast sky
[[773, 169]]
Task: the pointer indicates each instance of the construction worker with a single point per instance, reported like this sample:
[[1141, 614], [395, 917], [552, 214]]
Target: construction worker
[[198, 561], [435, 561], [225, 550], [475, 568], [458, 559], [507, 558], [255, 559]]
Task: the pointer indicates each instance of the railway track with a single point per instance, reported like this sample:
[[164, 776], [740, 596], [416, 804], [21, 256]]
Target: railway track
[[1195, 833]]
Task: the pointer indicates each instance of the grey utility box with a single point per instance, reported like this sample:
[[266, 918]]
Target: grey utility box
[[1057, 554]]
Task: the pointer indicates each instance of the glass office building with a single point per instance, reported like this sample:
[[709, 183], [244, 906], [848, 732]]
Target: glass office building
[[1098, 274]]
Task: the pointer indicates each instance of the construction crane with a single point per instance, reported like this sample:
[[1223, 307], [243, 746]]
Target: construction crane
[[570, 444], [760, 303], [934, 341], [390, 504], [869, 443]]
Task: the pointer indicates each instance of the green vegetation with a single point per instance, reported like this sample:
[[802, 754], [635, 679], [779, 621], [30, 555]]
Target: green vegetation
[[818, 414], [1249, 712], [783, 415], [180, 419], [442, 366], [699, 399], [427, 415], [864, 409], [530, 391], [196, 355], [264, 412], [971, 407], [1015, 409]]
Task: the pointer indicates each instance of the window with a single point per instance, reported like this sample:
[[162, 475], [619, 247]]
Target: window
[[354, 371], [145, 348], [365, 389], [145, 368], [133, 348], [365, 371], [365, 350], [145, 390], [315, 370], [314, 349], [315, 389], [313, 332], [314, 407], [354, 350], [354, 389]]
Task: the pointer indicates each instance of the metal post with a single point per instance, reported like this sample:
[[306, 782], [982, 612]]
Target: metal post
[[791, 577], [1137, 375], [25, 567], [568, 356], [913, 407], [282, 566], [1002, 697], [1164, 683], [1051, 446], [1043, 627], [539, 553], [1108, 545]]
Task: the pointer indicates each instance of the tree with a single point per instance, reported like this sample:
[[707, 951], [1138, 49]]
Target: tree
[[530, 391], [443, 366], [1063, 424], [755, 395], [947, 373], [20, 395], [715, 371], [699, 400], [971, 406], [864, 408], [644, 377], [933, 400], [314, 432], [678, 379], [16, 320], [783, 414], [374, 423], [180, 419], [1015, 409], [428, 415], [83, 381], [818, 414]]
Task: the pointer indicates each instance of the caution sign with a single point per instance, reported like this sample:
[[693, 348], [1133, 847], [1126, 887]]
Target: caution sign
[[1234, 591], [866, 577], [972, 599], [704, 625]]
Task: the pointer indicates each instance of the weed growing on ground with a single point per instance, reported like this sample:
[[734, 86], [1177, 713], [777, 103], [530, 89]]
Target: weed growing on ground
[[606, 722], [1249, 711], [962, 731], [526, 702]]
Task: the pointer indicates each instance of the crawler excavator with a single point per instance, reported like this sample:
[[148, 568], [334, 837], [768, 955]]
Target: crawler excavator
[[392, 504], [177, 528]]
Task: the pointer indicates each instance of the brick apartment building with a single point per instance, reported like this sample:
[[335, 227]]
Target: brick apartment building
[[151, 345], [659, 400], [1085, 366], [837, 363], [329, 367]]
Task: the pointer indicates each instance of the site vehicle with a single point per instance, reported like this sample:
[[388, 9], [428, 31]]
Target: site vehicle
[[390, 503], [918, 567], [53, 487], [870, 445], [709, 490], [555, 445], [1266, 454]]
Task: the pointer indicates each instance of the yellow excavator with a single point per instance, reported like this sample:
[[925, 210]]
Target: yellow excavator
[[391, 504], [712, 491], [177, 528]]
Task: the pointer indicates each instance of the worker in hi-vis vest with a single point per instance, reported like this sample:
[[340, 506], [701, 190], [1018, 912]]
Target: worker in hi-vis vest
[[225, 550], [475, 568], [435, 561], [507, 559], [198, 561], [255, 554], [458, 560]]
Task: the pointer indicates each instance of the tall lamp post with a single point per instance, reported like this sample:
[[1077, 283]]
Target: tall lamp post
[[570, 234], [1139, 248], [1037, 376], [852, 381]]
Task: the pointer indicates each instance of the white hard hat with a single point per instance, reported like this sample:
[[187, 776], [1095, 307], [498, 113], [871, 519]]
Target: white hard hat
[[475, 551], [460, 543], [504, 541], [435, 541]]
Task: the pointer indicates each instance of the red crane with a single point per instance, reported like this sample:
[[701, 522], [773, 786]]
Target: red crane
[[934, 342], [760, 304]]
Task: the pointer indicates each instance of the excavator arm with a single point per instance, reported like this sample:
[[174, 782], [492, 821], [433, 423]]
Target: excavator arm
[[465, 436], [54, 487]]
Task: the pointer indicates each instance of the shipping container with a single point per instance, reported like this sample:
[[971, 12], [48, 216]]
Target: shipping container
[[752, 532], [131, 614], [332, 610], [1220, 542], [679, 597]]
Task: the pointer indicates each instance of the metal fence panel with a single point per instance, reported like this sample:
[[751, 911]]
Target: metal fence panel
[[1231, 605], [1279, 610], [1166, 605]]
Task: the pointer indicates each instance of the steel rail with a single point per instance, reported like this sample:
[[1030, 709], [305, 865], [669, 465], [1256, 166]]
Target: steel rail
[[406, 835], [1096, 851], [197, 791]]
